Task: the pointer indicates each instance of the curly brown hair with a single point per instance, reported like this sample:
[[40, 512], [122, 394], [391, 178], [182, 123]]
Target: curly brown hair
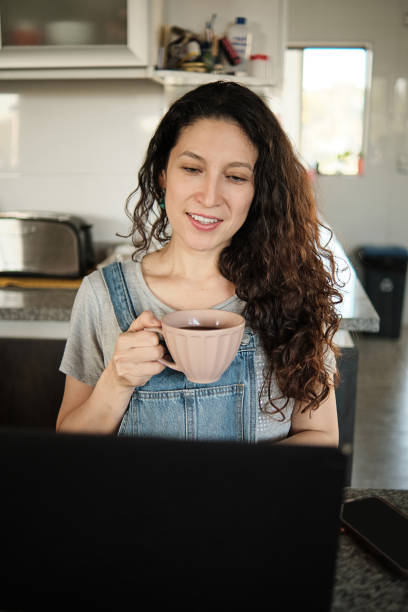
[[276, 260]]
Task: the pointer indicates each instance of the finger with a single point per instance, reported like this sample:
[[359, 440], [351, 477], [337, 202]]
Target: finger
[[146, 319], [142, 354], [140, 339], [138, 373], [156, 368]]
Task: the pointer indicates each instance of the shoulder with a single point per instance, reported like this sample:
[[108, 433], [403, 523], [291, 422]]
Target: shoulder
[[93, 286], [127, 268], [98, 280], [132, 269], [92, 294], [93, 309]]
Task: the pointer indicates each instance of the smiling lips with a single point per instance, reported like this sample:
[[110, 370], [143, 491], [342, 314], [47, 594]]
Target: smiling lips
[[202, 222]]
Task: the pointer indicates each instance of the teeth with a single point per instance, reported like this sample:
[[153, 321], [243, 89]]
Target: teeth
[[204, 220]]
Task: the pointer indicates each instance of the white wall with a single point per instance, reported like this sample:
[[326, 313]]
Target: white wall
[[75, 146], [372, 209]]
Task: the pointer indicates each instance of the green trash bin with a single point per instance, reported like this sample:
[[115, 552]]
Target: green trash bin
[[384, 271]]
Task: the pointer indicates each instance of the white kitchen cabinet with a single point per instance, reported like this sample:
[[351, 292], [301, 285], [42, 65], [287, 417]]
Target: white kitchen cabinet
[[44, 35], [120, 38]]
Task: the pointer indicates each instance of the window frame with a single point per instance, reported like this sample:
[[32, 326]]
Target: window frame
[[368, 47]]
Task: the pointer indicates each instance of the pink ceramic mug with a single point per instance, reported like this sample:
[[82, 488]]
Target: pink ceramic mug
[[202, 343]]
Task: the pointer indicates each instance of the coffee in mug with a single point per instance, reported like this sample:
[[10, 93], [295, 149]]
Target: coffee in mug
[[202, 342]]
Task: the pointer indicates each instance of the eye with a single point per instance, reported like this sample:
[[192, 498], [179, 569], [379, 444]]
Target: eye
[[190, 170], [237, 179]]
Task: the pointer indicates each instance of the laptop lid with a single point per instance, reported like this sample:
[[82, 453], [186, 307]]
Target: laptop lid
[[87, 518]]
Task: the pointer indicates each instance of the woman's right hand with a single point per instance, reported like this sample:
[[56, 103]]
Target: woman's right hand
[[100, 409], [137, 350]]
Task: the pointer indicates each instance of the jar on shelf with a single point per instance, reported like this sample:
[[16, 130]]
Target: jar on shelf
[[259, 66]]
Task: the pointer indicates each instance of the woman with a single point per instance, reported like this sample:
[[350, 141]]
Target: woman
[[221, 173]]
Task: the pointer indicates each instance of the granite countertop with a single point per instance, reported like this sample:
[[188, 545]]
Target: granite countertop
[[36, 304], [17, 304], [362, 582]]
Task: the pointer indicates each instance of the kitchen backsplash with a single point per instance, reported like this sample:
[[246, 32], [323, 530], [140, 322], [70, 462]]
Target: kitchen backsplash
[[76, 147]]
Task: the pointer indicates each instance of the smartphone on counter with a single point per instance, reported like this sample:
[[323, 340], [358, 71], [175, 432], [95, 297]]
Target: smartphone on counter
[[381, 526]]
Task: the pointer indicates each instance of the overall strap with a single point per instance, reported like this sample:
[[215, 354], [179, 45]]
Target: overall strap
[[119, 294]]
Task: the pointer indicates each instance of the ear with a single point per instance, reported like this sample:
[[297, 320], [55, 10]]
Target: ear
[[163, 180]]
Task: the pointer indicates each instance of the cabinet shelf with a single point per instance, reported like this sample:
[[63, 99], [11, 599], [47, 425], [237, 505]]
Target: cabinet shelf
[[166, 78], [182, 78]]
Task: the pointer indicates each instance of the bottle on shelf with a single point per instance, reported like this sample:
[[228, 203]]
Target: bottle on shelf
[[240, 38]]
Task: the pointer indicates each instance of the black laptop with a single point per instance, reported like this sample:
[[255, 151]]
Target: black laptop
[[102, 522]]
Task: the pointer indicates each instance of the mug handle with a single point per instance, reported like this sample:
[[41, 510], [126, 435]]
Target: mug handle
[[165, 362]]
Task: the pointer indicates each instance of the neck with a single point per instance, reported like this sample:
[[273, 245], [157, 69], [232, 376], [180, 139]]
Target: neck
[[190, 265]]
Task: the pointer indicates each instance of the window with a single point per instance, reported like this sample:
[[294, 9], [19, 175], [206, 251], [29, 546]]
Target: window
[[323, 106]]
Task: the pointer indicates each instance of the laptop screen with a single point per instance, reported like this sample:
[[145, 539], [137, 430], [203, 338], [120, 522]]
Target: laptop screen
[[91, 517]]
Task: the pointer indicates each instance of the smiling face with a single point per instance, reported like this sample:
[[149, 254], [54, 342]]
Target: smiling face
[[209, 183]]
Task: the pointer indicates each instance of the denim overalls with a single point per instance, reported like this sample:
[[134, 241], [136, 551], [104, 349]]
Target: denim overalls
[[169, 405]]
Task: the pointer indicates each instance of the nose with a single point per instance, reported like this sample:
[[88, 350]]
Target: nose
[[210, 192]]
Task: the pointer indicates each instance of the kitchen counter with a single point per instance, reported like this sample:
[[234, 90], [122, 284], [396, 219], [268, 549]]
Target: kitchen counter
[[36, 304], [19, 305], [362, 582], [35, 313], [357, 311]]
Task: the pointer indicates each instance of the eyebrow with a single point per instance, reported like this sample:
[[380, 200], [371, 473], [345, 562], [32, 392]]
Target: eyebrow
[[236, 164]]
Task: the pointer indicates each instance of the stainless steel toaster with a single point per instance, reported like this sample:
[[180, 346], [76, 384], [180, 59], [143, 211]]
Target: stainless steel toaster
[[45, 244]]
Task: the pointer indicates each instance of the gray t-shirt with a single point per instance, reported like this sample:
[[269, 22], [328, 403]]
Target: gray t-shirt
[[94, 331]]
